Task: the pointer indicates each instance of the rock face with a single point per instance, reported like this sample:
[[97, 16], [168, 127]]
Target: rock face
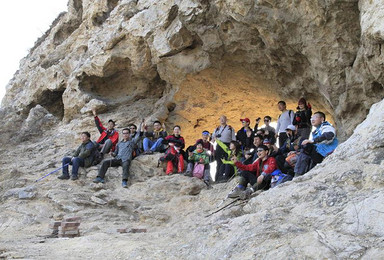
[[230, 58], [187, 62]]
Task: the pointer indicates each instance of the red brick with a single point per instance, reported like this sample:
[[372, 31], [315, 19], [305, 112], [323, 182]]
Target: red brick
[[122, 230], [138, 230], [68, 228], [55, 224], [69, 232], [70, 224], [73, 219], [69, 236]]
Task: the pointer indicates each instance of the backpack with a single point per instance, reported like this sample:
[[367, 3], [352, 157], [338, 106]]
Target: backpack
[[168, 156], [279, 177], [97, 155], [198, 170], [291, 159]]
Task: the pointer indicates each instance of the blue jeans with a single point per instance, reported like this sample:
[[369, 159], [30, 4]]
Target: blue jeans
[[76, 163], [148, 144]]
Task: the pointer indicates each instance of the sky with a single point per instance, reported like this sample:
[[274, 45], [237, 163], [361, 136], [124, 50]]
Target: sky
[[22, 22]]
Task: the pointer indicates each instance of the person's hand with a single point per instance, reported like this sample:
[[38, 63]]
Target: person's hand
[[94, 112], [258, 120], [163, 126], [306, 141]]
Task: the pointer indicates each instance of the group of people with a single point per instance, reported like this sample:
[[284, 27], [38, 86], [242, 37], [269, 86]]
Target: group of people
[[251, 154]]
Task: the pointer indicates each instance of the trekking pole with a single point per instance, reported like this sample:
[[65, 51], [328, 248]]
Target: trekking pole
[[51, 172], [226, 197], [232, 202]]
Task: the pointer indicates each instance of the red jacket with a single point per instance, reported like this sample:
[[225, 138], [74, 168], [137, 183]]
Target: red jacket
[[114, 135], [267, 166]]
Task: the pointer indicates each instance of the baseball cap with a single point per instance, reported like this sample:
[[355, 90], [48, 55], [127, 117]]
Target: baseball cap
[[246, 120]]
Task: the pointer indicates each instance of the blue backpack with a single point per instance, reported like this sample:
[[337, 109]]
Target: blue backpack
[[279, 177]]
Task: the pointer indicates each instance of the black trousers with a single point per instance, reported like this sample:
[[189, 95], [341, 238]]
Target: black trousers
[[247, 177], [282, 138], [220, 154], [105, 164]]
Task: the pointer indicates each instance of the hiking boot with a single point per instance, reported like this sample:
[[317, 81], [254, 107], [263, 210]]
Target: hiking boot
[[124, 184], [63, 177], [74, 177], [246, 194], [98, 180], [209, 186], [235, 193]]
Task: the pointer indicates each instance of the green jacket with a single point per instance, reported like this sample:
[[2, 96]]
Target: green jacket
[[87, 152], [195, 157], [229, 153]]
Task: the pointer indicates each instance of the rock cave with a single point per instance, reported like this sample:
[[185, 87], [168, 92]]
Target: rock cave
[[187, 63]]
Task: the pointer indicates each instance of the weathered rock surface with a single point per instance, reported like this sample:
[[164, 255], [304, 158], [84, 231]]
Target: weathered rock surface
[[190, 61], [187, 62]]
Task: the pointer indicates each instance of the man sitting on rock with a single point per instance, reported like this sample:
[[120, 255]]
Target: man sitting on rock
[[122, 157], [83, 157], [258, 174], [139, 146], [324, 142], [108, 136], [153, 140]]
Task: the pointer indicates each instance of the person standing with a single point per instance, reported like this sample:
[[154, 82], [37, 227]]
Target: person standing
[[225, 133], [245, 135], [302, 119], [285, 119]]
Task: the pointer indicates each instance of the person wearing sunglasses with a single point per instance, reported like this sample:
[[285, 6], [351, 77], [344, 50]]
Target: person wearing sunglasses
[[258, 174]]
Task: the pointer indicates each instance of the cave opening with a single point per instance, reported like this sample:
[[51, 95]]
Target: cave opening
[[235, 92], [52, 101], [121, 87]]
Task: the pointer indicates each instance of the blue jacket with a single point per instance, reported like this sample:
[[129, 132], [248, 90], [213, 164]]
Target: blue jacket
[[325, 139]]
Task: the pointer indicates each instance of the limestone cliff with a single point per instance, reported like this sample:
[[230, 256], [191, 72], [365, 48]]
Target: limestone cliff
[[187, 62], [190, 61]]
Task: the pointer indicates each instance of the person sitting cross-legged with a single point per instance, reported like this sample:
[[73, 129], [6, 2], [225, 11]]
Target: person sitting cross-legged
[[122, 157], [83, 157], [259, 174]]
